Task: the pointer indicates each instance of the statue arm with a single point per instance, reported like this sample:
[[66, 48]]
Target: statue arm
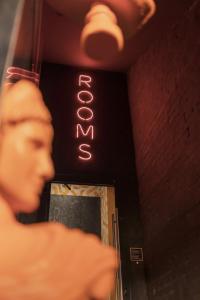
[[48, 261]]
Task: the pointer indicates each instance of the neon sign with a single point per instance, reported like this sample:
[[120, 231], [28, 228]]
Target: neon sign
[[14, 74], [84, 149], [81, 96], [81, 132], [85, 113], [85, 116]]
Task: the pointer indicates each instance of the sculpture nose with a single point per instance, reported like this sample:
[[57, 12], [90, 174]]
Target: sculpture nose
[[46, 168]]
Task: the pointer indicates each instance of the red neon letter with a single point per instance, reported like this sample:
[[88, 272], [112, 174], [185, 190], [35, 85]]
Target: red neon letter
[[20, 73], [84, 79], [87, 154], [80, 130], [83, 117], [88, 96]]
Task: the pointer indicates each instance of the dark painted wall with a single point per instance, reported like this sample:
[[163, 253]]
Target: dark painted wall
[[111, 121], [80, 212], [165, 101], [113, 155]]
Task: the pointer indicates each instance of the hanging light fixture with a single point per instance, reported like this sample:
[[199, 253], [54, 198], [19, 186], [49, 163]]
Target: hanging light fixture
[[103, 36], [107, 23]]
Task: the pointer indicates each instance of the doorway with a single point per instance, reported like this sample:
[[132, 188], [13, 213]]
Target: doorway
[[92, 209]]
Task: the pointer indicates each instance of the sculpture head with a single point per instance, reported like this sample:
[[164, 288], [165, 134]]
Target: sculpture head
[[25, 146]]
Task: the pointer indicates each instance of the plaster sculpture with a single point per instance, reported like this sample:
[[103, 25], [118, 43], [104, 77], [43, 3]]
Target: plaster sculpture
[[44, 261]]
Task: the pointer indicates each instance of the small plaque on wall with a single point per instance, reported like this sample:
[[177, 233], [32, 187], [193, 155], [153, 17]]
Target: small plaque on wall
[[136, 254]]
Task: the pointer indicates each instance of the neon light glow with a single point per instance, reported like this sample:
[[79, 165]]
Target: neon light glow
[[85, 94], [81, 132], [85, 113], [16, 73], [86, 154], [85, 80]]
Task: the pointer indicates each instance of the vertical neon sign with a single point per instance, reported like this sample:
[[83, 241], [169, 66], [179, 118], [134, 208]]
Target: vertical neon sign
[[85, 116]]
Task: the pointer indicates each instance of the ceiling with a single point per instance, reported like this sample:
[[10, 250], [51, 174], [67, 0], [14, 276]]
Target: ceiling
[[61, 37]]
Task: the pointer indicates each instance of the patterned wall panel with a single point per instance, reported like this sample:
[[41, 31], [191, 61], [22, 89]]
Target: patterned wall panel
[[85, 190], [82, 212]]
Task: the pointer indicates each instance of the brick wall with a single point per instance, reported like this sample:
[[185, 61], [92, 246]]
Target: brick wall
[[164, 87]]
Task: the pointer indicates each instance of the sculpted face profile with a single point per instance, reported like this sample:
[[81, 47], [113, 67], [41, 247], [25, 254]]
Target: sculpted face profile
[[25, 146], [44, 261]]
